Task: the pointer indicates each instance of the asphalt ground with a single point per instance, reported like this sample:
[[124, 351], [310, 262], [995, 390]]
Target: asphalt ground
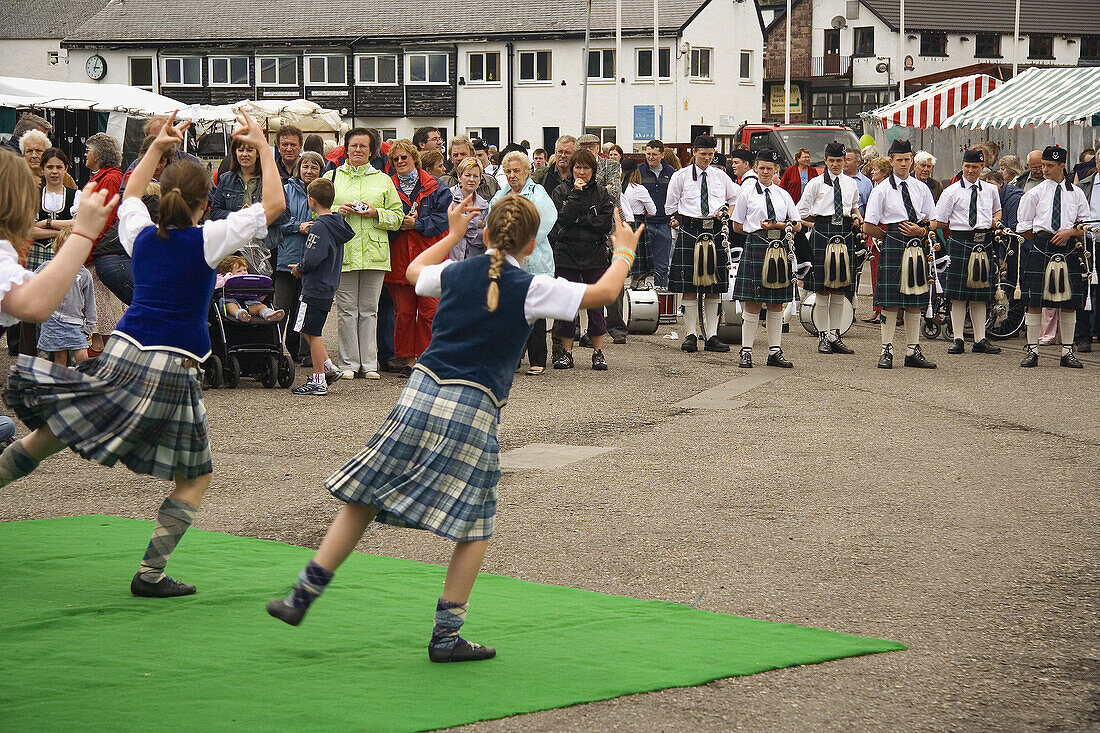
[[953, 510]]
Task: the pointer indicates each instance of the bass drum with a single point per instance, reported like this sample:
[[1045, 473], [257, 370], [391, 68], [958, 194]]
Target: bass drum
[[641, 311], [730, 318], [810, 315]]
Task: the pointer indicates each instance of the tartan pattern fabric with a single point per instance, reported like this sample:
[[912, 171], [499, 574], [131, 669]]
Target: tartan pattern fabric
[[174, 518], [434, 464], [822, 231], [141, 408], [888, 288], [1034, 266], [680, 275], [954, 280], [39, 254], [747, 283], [643, 258]]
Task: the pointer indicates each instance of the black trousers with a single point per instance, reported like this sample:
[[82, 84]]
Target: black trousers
[[536, 344], [288, 290]]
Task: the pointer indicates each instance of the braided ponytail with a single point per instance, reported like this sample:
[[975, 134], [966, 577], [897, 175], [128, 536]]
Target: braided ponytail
[[512, 224]]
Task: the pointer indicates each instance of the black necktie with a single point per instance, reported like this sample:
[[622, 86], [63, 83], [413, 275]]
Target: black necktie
[[909, 210], [768, 203], [1056, 213], [838, 202], [973, 205], [704, 194]]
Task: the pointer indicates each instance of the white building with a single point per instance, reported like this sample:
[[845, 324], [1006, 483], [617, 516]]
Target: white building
[[31, 35]]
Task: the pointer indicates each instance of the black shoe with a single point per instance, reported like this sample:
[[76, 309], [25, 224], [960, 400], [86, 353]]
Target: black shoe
[[292, 615], [823, 345], [886, 359], [306, 361], [691, 344], [165, 588], [1083, 347], [776, 359], [957, 347], [599, 363], [1031, 358], [564, 360], [746, 359], [985, 347], [1069, 359], [393, 366], [838, 346], [463, 651], [404, 372], [916, 359], [585, 341], [716, 344], [618, 338]]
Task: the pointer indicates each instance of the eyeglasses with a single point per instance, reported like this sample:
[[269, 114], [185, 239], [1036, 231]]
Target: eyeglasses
[[401, 157]]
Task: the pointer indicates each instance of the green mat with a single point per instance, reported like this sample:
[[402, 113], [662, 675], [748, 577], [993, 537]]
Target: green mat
[[78, 652]]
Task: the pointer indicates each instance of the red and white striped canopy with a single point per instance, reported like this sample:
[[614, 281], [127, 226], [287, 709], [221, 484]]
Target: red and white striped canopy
[[931, 106]]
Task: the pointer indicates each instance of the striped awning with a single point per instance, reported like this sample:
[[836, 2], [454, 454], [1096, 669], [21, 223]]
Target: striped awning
[[1038, 96], [932, 105]]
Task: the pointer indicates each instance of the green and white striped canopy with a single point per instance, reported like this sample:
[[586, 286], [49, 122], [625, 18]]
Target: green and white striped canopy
[[1038, 96]]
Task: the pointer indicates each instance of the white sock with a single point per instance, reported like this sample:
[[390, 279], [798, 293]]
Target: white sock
[[1033, 324], [319, 378], [1067, 323], [836, 313], [958, 319], [978, 314], [329, 366], [823, 314], [710, 315], [774, 322], [912, 330], [691, 317], [888, 326], [749, 324]]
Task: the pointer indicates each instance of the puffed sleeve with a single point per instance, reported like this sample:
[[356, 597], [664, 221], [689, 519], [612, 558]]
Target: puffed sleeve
[[133, 217], [553, 298], [222, 237], [430, 282], [11, 274]]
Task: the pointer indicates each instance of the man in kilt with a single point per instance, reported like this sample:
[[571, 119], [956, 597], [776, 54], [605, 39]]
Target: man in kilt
[[1054, 269], [831, 204], [698, 201], [970, 210], [764, 274], [898, 213]]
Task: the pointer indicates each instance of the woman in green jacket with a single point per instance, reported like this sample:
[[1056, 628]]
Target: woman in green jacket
[[367, 199]]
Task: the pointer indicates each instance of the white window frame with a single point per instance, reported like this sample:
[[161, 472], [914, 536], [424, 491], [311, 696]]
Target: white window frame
[[278, 60], [484, 58], [740, 59], [603, 55], [229, 59], [181, 60], [534, 53], [694, 67], [326, 83], [427, 55], [359, 57], [152, 72], [388, 133], [660, 51]]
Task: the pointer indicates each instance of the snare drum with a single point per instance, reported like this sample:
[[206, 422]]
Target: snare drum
[[669, 308], [810, 315], [641, 311], [730, 318]]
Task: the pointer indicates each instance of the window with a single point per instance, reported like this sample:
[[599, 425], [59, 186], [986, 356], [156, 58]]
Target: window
[[864, 44], [326, 70], [226, 71], [745, 71], [483, 67], [183, 71], [933, 43], [1090, 48], [490, 135], [605, 134], [851, 9], [141, 73], [987, 45], [700, 63], [645, 63], [426, 68], [601, 64], [376, 69], [534, 66], [1040, 47], [277, 71]]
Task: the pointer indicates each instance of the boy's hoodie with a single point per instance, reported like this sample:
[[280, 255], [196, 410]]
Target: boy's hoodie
[[323, 256]]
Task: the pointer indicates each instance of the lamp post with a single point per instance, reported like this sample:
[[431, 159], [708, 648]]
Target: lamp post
[[787, 77]]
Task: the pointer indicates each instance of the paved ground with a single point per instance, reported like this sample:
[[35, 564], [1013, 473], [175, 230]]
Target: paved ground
[[954, 510]]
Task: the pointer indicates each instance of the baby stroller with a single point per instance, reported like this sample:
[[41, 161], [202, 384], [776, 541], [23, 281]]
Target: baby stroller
[[252, 349]]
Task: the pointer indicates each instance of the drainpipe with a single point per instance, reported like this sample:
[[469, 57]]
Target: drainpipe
[[511, 93]]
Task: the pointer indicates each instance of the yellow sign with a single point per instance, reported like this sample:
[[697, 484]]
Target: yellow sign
[[775, 100]]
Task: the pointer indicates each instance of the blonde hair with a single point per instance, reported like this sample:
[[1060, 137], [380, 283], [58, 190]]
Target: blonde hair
[[406, 145], [59, 240], [18, 200], [512, 223], [524, 161], [468, 163], [1013, 164]]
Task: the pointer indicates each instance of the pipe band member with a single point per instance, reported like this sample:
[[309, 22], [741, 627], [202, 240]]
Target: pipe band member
[[831, 203], [898, 213], [1053, 265], [764, 275], [970, 210], [699, 198]]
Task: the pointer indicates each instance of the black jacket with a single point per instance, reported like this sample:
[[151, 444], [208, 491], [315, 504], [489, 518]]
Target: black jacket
[[585, 218]]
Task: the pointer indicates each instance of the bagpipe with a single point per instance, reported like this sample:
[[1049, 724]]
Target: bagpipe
[[1057, 285], [705, 255], [778, 265]]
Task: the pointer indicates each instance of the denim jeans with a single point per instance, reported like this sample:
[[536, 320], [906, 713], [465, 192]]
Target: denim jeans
[[660, 244], [115, 272], [387, 323]]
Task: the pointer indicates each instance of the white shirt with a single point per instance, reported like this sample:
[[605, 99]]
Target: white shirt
[[11, 274], [885, 205], [1037, 206], [684, 187], [220, 237], [752, 208], [637, 201], [953, 208], [817, 196], [548, 297]]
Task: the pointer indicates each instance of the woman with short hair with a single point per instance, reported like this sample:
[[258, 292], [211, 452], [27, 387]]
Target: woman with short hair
[[798, 174], [472, 244], [103, 156], [1011, 167]]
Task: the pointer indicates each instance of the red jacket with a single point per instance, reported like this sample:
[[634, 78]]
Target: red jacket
[[432, 200], [109, 180], [792, 181]]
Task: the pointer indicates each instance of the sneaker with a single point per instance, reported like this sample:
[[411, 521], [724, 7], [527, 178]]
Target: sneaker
[[332, 375], [371, 374], [599, 363], [346, 374], [564, 360], [164, 588], [462, 651], [310, 388], [619, 338]]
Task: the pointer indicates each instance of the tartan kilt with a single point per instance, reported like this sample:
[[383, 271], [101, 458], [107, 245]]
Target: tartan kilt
[[822, 231], [1033, 269], [434, 464], [39, 254], [747, 284], [954, 283], [139, 407], [888, 287], [683, 260], [643, 257]]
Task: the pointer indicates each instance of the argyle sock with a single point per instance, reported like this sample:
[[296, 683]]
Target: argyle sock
[[958, 319], [774, 323], [749, 323], [1067, 323], [887, 327], [691, 317], [710, 314], [174, 517], [1033, 324], [312, 582], [449, 617], [978, 313], [912, 331], [15, 463]]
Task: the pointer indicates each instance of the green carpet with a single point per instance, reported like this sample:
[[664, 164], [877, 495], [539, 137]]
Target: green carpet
[[78, 652]]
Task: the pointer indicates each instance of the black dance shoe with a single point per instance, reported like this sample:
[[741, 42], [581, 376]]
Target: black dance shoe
[[823, 345], [716, 344], [463, 651], [746, 359], [165, 588], [886, 359], [292, 615], [985, 347], [691, 344], [776, 359], [916, 359], [838, 346], [1069, 359], [957, 347], [1031, 358]]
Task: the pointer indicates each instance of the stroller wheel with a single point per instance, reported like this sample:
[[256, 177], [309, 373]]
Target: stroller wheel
[[286, 371], [232, 371], [268, 372], [212, 372]]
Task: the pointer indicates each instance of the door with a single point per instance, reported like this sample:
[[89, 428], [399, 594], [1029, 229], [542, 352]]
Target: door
[[832, 52], [550, 137], [697, 130]]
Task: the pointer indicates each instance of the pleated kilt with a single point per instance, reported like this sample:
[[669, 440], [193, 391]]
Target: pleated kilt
[[747, 285], [643, 257], [1036, 256], [681, 273], [888, 287], [959, 246], [822, 231], [142, 408], [434, 464]]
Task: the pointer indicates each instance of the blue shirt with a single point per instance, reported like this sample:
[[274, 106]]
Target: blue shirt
[[865, 185]]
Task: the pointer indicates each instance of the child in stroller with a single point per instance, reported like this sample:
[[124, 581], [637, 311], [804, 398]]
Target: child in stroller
[[234, 266]]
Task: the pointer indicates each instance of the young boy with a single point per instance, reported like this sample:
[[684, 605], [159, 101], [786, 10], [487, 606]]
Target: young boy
[[320, 272]]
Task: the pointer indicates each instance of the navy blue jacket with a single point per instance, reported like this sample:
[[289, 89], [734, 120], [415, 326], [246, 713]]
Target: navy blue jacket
[[1010, 203], [323, 256], [657, 187]]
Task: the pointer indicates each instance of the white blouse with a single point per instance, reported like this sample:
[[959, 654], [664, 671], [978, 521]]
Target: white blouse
[[11, 274], [220, 237], [637, 200]]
